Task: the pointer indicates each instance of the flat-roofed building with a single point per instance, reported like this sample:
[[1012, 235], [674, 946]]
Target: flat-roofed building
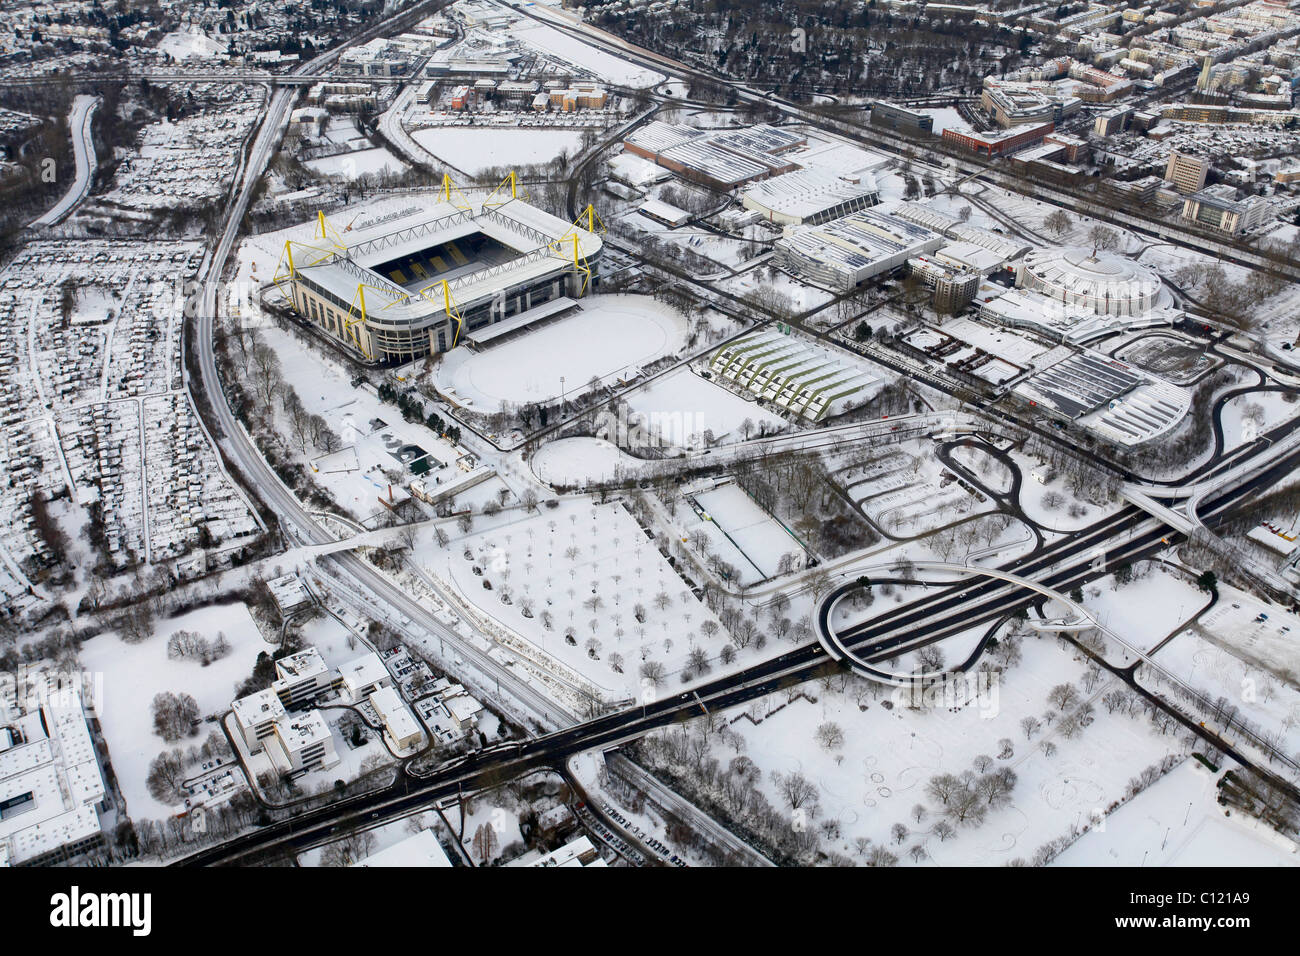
[[1186, 172], [302, 742], [810, 197], [844, 253], [901, 118], [364, 675], [399, 723], [1218, 208], [998, 143], [301, 678], [255, 716]]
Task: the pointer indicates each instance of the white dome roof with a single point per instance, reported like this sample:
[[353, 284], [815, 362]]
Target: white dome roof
[[1107, 284]]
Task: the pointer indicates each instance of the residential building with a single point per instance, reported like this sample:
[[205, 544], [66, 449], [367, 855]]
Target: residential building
[[1186, 172]]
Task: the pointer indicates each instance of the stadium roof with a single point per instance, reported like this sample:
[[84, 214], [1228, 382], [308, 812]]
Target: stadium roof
[[542, 240]]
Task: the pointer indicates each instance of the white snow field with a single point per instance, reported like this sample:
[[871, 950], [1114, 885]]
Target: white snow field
[[680, 407], [134, 673], [1175, 822], [587, 568], [361, 162], [609, 338], [1250, 415], [474, 149], [575, 461], [566, 47], [184, 44], [890, 753], [758, 535]]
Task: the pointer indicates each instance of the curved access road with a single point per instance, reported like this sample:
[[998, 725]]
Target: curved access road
[[83, 148]]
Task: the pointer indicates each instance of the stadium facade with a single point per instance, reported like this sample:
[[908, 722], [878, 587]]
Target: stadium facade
[[417, 283]]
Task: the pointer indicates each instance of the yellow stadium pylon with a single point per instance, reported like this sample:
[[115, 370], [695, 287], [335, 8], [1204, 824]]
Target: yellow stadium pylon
[[448, 305], [450, 190], [512, 181]]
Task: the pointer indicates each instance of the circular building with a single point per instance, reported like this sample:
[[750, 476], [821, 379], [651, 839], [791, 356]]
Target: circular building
[[1105, 284]]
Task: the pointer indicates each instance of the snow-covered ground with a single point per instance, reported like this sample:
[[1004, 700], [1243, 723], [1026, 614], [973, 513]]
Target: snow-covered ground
[[362, 162], [681, 406], [1176, 822], [734, 518], [474, 149], [590, 571], [575, 461], [134, 673], [182, 45], [1251, 664], [611, 337], [1145, 611], [944, 118], [889, 753], [1248, 416], [566, 47], [354, 474]]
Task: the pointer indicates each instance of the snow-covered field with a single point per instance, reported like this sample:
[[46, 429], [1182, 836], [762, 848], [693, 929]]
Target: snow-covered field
[[681, 406], [1145, 611], [588, 569], [551, 41], [760, 538], [944, 118], [1248, 416], [362, 162], [475, 149], [611, 337], [353, 475], [575, 461], [134, 673], [1176, 822], [879, 773], [182, 45]]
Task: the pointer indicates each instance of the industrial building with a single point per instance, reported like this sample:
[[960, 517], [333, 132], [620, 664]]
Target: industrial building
[[1107, 396], [844, 253], [402, 288], [810, 197], [719, 159], [791, 373], [1005, 247], [51, 785]]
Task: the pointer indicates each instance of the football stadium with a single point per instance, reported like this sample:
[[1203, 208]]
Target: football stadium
[[418, 283]]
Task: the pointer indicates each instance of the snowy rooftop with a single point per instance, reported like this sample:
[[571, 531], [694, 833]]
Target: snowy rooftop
[[420, 849], [257, 708], [364, 670], [806, 192], [390, 706], [306, 663]]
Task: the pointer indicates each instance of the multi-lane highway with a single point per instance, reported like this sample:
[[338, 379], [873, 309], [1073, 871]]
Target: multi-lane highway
[[1126, 536]]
